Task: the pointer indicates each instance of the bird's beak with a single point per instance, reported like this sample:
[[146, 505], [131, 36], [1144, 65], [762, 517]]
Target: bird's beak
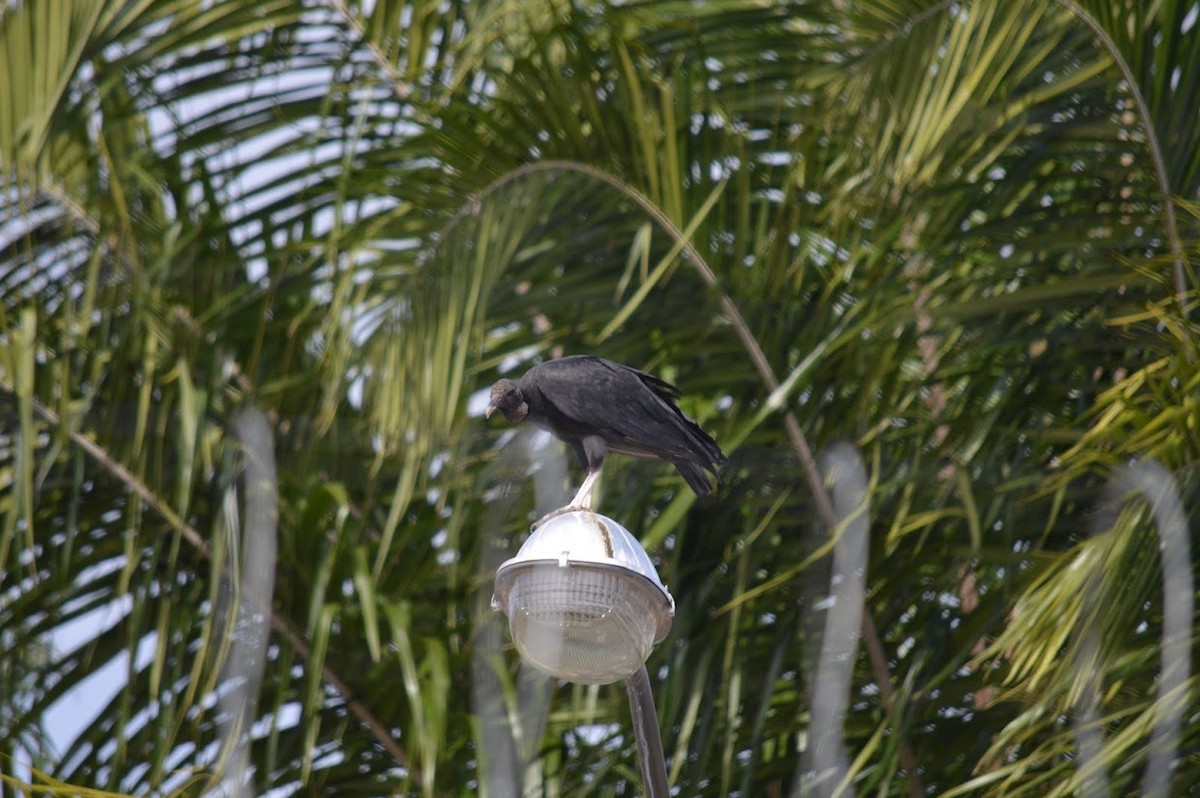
[[490, 409]]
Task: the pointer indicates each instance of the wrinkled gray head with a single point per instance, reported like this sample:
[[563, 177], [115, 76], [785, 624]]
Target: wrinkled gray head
[[507, 398]]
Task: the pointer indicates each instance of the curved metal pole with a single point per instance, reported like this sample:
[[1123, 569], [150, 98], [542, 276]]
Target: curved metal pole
[[823, 769], [1159, 489], [649, 739], [1161, 493]]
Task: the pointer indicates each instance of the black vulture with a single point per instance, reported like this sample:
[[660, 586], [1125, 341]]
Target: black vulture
[[598, 406]]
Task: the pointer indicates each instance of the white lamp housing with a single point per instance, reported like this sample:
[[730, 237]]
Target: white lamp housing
[[583, 600]]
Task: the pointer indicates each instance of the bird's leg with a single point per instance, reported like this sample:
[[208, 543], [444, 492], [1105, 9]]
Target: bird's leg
[[582, 500]]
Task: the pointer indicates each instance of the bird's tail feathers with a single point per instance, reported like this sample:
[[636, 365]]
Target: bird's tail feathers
[[658, 385], [702, 443], [695, 475]]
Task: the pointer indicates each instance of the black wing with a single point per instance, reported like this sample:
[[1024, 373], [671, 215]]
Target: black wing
[[570, 396], [657, 418], [631, 411]]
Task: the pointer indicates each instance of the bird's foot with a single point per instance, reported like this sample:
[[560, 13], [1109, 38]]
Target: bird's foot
[[582, 501], [570, 508]]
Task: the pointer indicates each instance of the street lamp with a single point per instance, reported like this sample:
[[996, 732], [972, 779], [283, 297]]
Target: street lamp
[[585, 604], [583, 600]]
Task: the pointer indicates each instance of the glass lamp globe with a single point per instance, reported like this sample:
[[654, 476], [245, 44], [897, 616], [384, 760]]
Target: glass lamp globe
[[583, 600]]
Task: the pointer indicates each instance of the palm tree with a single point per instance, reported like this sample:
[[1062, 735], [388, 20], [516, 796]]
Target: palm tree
[[258, 261]]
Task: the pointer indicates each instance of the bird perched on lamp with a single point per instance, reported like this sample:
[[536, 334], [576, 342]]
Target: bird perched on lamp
[[599, 406]]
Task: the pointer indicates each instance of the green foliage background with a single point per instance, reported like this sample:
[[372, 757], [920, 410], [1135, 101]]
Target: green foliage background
[[959, 235]]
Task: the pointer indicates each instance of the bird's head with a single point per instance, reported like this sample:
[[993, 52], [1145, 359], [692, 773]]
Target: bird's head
[[507, 398]]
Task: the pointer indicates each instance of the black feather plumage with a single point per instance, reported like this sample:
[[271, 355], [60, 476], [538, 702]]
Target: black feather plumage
[[597, 406]]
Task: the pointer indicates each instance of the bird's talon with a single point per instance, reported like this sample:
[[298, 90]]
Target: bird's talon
[[570, 508]]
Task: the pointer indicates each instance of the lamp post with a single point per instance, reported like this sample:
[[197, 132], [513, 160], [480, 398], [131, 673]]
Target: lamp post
[[585, 604]]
